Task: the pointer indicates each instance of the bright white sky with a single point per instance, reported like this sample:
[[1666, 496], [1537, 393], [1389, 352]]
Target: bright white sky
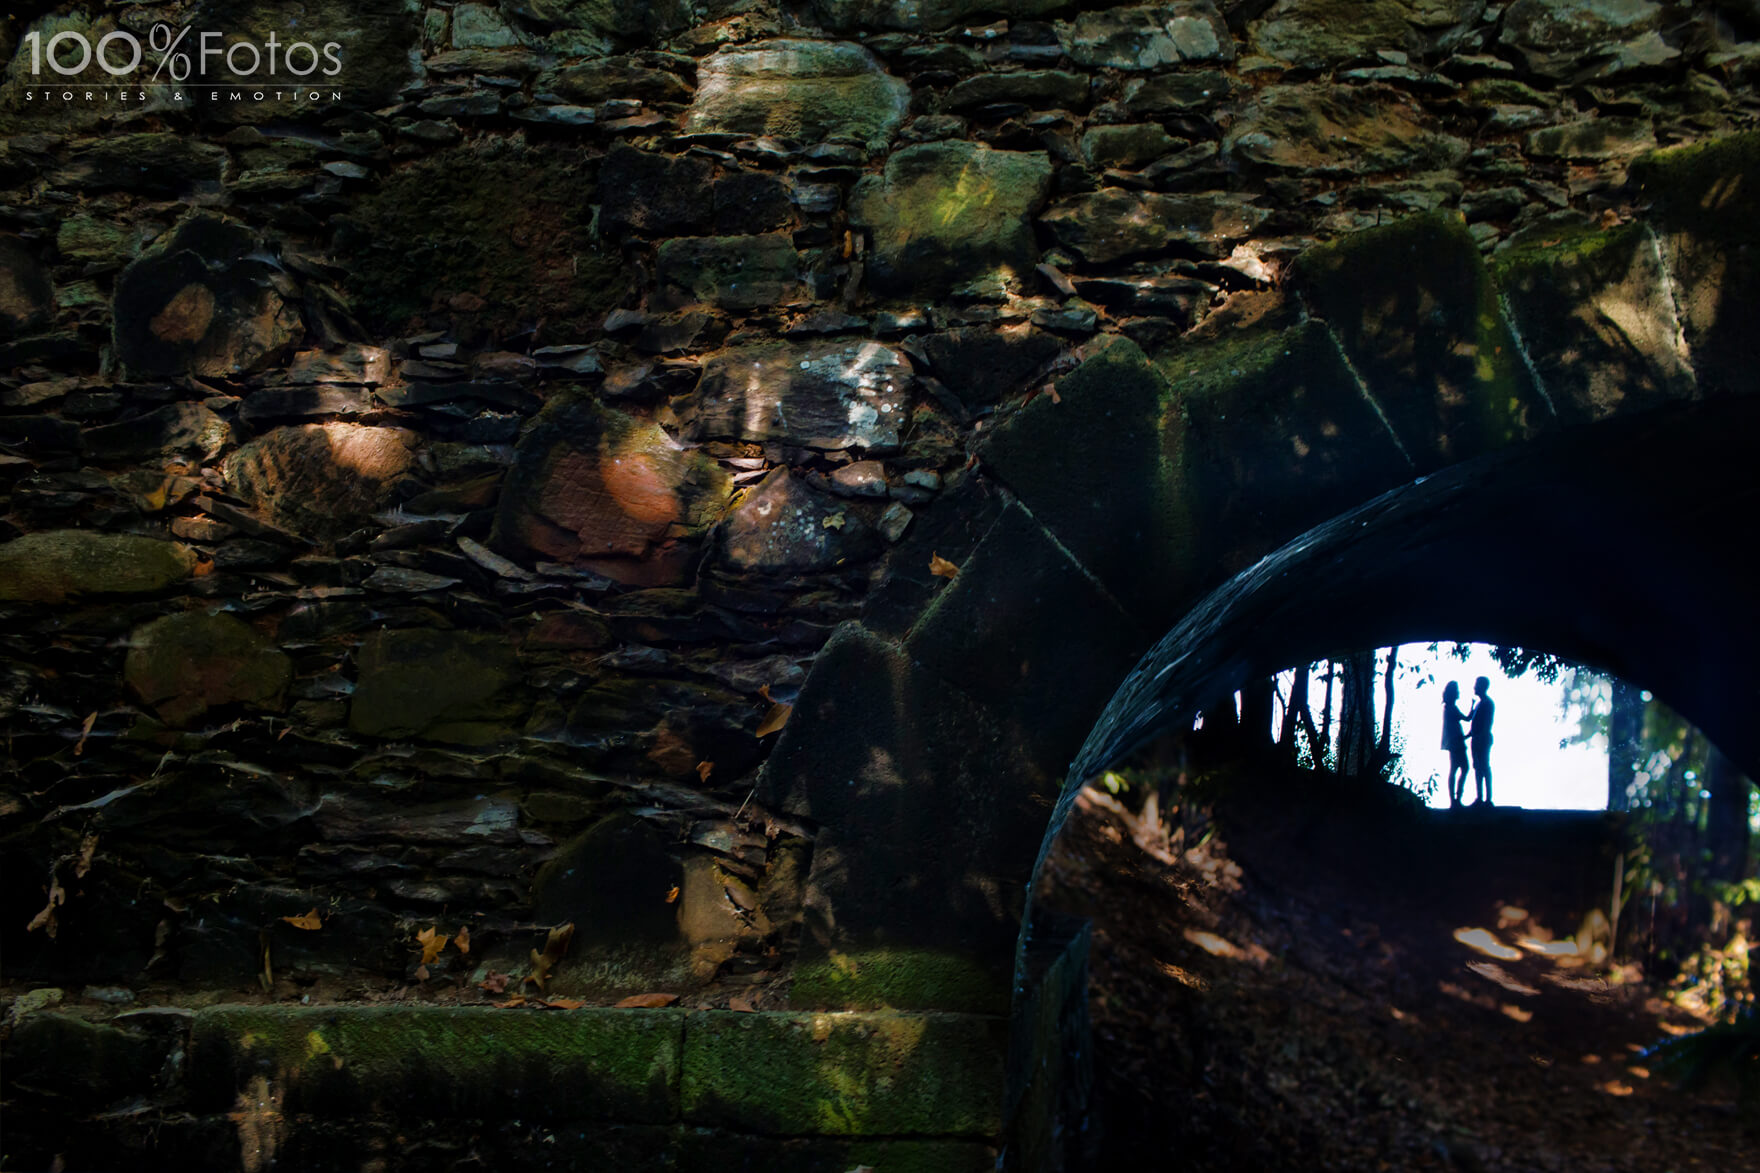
[[1528, 767]]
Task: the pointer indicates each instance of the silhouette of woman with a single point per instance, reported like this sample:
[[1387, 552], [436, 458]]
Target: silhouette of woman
[[1455, 742]]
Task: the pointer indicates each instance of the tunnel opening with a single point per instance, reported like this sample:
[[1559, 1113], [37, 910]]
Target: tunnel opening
[[1541, 548]]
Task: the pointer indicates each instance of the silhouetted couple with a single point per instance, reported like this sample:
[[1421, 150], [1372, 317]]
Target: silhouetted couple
[[1478, 723]]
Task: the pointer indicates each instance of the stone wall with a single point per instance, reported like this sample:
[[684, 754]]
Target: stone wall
[[423, 506]]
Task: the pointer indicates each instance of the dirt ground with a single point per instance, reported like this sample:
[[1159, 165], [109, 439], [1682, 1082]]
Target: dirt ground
[[1245, 1019]]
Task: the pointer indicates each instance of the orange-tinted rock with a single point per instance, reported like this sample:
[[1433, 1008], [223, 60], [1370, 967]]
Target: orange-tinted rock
[[322, 481], [206, 301], [185, 664], [600, 490]]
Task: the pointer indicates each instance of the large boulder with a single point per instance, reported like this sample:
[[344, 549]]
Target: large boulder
[[950, 213]]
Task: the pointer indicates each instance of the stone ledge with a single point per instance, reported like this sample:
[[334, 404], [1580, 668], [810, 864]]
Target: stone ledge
[[843, 1074]]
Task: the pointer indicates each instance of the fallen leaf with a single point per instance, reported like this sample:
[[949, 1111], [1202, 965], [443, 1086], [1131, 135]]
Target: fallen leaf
[[941, 567], [309, 921], [88, 847], [835, 521], [45, 919], [85, 731], [765, 693], [463, 940], [564, 1003], [421, 973], [1051, 390], [775, 719], [672, 894], [741, 1005], [432, 943], [555, 946], [513, 1002], [647, 1001], [495, 983], [703, 770]]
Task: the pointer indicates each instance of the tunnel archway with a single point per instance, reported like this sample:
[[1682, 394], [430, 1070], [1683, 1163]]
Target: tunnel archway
[[1397, 413]]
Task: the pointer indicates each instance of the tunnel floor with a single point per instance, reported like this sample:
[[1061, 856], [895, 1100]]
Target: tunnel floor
[[1279, 985]]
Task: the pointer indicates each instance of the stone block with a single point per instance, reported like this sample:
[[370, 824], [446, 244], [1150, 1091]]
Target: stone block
[[1705, 205], [800, 91], [873, 1074], [203, 302], [177, 429], [733, 272], [153, 164], [1025, 632], [1113, 224], [945, 214], [1340, 131], [442, 685], [607, 492], [185, 664], [1038, 88], [55, 565], [785, 527], [1575, 39], [433, 1062], [1416, 312], [27, 298], [1141, 39], [1325, 34], [90, 1062], [1596, 315], [826, 395], [923, 15], [1279, 438], [322, 481], [951, 529], [1115, 423]]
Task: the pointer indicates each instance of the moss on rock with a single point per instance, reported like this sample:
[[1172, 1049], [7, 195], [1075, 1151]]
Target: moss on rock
[[896, 978], [588, 1064], [874, 1074], [55, 565]]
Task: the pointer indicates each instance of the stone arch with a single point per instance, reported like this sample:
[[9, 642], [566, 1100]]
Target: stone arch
[[1395, 383]]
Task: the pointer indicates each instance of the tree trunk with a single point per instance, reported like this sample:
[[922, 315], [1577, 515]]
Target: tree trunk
[[1625, 731], [1386, 747], [1356, 714], [1326, 718], [1295, 710]]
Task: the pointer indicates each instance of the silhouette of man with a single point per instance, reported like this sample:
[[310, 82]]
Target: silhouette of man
[[1454, 740], [1479, 733]]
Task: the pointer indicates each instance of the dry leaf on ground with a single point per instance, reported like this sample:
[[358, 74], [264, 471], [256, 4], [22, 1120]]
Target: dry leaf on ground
[[647, 1001]]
